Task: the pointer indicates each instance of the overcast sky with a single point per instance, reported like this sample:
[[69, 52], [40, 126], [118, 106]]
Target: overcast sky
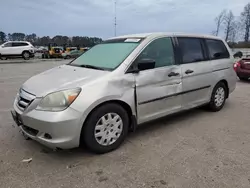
[[96, 17]]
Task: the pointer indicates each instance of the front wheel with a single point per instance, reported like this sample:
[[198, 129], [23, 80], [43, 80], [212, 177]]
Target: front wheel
[[106, 128], [26, 55], [218, 97]]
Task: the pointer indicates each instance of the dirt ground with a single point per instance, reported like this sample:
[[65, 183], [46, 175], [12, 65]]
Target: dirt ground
[[192, 149]]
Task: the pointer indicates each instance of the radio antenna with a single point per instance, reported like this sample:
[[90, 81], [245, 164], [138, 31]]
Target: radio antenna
[[115, 24]]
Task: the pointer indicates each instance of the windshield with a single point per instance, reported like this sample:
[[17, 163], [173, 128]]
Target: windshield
[[107, 55]]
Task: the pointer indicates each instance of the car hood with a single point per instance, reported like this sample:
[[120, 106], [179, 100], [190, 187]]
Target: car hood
[[59, 78]]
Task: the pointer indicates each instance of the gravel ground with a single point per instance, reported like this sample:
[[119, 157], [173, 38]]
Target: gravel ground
[[191, 149]]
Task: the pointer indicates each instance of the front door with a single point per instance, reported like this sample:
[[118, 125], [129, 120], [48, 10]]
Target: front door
[[196, 70], [157, 89]]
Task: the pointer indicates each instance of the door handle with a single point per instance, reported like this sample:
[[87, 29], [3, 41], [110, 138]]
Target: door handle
[[173, 74], [189, 71]]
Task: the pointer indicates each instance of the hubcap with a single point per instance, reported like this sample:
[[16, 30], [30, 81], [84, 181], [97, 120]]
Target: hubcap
[[108, 129], [219, 96], [26, 55]]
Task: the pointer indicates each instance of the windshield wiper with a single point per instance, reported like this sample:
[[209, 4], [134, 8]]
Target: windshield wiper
[[91, 67]]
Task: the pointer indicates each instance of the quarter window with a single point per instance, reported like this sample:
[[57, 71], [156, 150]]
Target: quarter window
[[160, 50], [217, 49], [191, 50], [24, 44]]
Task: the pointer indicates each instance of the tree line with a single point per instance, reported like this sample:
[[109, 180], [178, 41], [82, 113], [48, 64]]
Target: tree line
[[236, 28], [58, 40]]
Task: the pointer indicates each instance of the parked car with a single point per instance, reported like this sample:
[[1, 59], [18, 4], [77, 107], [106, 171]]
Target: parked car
[[121, 83], [54, 52], [85, 49], [68, 49], [17, 49], [41, 49], [242, 68], [72, 54]]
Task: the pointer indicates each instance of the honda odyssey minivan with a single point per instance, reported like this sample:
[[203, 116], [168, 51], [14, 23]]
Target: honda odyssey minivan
[[125, 81]]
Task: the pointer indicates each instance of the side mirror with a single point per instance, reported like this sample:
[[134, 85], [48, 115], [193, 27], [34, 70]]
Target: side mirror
[[238, 54], [145, 64]]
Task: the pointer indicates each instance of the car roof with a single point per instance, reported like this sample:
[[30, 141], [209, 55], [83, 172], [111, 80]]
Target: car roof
[[162, 34], [19, 41]]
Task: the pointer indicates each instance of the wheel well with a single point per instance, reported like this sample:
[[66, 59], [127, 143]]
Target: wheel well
[[122, 104], [226, 84], [25, 51]]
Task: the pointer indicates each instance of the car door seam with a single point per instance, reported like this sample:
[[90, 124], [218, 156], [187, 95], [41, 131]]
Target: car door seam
[[221, 69], [174, 95]]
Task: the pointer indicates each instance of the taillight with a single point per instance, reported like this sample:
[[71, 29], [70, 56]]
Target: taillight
[[236, 65]]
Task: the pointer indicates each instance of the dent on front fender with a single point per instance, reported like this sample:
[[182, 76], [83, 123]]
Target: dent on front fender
[[124, 89], [118, 88]]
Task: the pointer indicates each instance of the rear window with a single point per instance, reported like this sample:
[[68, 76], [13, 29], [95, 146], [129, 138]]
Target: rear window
[[217, 49]]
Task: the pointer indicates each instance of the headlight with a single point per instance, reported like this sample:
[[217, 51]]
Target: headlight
[[58, 101]]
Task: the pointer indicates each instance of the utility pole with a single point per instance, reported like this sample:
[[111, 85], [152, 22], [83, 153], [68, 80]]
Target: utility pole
[[115, 24]]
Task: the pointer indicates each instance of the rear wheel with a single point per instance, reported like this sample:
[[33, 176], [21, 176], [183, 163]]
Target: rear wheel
[[67, 57], [26, 55], [106, 128], [218, 97]]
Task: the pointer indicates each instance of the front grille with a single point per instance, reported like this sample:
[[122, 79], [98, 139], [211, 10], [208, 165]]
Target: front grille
[[24, 99]]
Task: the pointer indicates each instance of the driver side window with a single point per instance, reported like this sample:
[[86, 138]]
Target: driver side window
[[161, 50]]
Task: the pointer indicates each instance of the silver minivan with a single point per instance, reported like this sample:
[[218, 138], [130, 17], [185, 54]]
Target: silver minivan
[[125, 81]]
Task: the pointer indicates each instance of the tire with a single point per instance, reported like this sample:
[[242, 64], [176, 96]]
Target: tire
[[90, 131], [67, 57], [3, 58], [219, 93], [26, 55]]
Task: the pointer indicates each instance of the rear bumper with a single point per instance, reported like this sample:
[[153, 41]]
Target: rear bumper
[[243, 73]]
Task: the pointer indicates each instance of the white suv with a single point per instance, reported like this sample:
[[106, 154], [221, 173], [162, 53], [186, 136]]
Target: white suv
[[17, 49]]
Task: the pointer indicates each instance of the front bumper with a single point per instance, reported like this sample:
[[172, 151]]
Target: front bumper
[[52, 129]]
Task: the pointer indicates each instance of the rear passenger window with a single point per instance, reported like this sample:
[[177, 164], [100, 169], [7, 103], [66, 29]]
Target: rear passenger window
[[217, 49], [16, 44], [160, 50], [191, 50]]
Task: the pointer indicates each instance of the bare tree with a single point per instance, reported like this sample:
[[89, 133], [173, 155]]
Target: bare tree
[[245, 18], [219, 20], [234, 33], [229, 24]]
